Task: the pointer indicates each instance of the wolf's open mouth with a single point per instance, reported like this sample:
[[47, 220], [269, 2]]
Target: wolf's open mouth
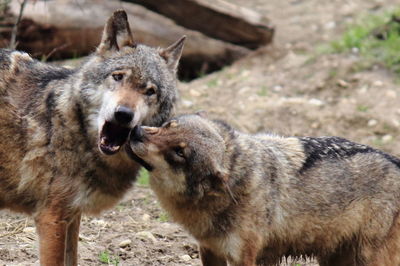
[[112, 137]]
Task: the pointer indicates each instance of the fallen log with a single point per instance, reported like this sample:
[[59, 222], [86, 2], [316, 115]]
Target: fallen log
[[216, 18], [64, 29]]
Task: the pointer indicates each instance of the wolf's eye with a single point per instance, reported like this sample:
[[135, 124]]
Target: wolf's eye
[[118, 76], [179, 152], [150, 92]]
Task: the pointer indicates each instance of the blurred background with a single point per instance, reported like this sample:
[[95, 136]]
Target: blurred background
[[291, 67]]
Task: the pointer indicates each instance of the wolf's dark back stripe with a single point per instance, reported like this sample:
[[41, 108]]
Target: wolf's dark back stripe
[[317, 149], [224, 125], [41, 77], [391, 158], [45, 76]]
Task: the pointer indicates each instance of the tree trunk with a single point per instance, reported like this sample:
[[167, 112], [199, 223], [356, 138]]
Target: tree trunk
[[64, 29], [216, 18]]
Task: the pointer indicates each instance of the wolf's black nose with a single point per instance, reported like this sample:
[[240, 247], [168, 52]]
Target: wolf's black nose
[[137, 134], [123, 114]]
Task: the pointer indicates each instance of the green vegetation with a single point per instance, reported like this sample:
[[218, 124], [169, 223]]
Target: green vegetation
[[263, 91], [333, 73], [212, 83], [163, 217], [362, 108], [378, 142], [374, 37], [143, 179], [109, 259]]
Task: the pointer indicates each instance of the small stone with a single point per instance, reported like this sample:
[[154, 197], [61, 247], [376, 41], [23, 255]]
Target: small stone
[[187, 103], [245, 73], [314, 27], [372, 123], [29, 229], [277, 88], [355, 50], [315, 125], [342, 83], [244, 90], [186, 257], [145, 217], [99, 222], [391, 94], [363, 90], [378, 83], [125, 243], [330, 25], [146, 235], [316, 102], [387, 138], [194, 93], [84, 238]]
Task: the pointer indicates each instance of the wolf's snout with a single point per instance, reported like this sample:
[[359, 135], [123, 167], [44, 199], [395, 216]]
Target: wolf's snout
[[137, 134], [123, 114]]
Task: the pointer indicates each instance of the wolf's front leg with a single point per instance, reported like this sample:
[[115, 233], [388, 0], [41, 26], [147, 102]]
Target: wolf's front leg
[[71, 252], [209, 258], [52, 230]]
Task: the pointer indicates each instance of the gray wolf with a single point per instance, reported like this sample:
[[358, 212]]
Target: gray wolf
[[62, 131], [256, 199]]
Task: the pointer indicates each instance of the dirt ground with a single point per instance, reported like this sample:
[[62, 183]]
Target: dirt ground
[[284, 88]]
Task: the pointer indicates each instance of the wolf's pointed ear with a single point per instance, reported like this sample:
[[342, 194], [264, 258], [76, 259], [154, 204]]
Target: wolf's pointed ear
[[223, 178], [116, 34], [173, 53]]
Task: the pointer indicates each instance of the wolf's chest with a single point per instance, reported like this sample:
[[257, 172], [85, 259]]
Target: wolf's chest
[[103, 189], [93, 201]]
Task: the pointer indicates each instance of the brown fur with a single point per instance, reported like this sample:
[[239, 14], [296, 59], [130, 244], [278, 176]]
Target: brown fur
[[60, 137], [255, 199]]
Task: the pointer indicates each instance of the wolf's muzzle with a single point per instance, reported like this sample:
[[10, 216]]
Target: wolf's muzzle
[[123, 114], [137, 134]]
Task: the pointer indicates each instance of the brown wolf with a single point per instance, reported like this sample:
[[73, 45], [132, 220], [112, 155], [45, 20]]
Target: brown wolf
[[62, 129], [255, 199]]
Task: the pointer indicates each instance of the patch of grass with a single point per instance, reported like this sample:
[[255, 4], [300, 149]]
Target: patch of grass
[[107, 258], [120, 207], [212, 83], [143, 179], [263, 91], [388, 128], [311, 59], [361, 66], [163, 217], [378, 142], [375, 37], [333, 73], [362, 108], [229, 75]]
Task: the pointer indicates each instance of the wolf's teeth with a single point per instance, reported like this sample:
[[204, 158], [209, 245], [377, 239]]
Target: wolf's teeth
[[115, 148], [103, 141]]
